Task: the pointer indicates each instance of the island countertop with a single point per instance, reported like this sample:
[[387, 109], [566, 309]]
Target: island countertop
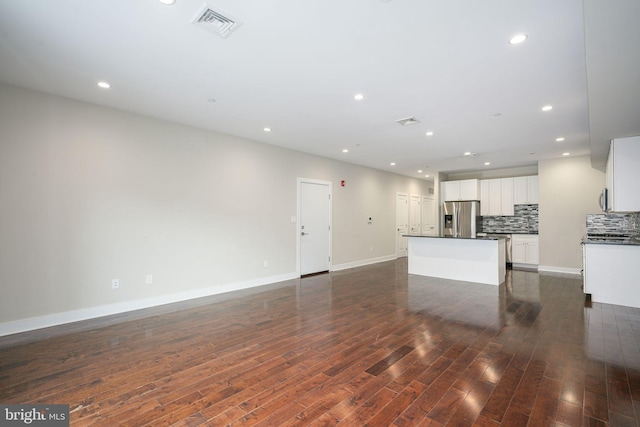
[[480, 260], [459, 238]]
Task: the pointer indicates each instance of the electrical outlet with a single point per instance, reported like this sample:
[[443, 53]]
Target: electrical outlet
[[148, 279], [115, 284], [266, 263]]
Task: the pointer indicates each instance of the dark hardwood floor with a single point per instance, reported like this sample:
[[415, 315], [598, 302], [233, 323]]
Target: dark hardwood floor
[[368, 346]]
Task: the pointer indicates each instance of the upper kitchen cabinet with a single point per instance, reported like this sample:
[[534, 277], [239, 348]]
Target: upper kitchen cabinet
[[466, 189], [623, 175], [496, 197], [525, 190]]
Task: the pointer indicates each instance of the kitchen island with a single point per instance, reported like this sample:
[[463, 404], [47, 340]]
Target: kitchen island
[[611, 271], [479, 259]]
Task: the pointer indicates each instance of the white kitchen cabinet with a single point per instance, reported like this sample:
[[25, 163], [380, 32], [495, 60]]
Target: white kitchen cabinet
[[465, 189], [451, 191], [484, 197], [525, 190], [506, 195], [470, 189], [611, 273], [520, 190], [525, 249], [496, 197], [532, 190], [623, 175]]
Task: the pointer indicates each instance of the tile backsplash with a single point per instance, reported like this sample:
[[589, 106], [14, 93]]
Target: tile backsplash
[[524, 220], [627, 224]]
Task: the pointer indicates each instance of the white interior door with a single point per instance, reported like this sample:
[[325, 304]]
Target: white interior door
[[415, 214], [314, 226], [429, 216], [402, 223]]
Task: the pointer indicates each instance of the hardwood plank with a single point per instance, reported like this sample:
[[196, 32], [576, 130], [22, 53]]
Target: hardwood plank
[[397, 405], [569, 413], [501, 397], [365, 345], [596, 406], [618, 391], [447, 405], [420, 408], [473, 403], [389, 361], [368, 409], [525, 395], [546, 406]]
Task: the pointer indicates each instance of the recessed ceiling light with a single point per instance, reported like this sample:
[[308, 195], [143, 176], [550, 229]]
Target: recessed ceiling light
[[420, 171], [426, 176], [470, 154], [167, 2], [547, 108], [566, 154], [345, 150], [392, 163], [559, 139], [358, 97], [430, 133], [467, 153], [517, 38], [104, 85], [487, 163], [267, 129]]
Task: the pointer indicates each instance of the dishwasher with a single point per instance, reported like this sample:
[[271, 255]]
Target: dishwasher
[[507, 245]]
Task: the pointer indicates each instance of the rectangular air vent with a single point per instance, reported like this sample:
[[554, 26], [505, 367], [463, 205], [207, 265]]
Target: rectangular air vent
[[216, 22], [408, 121]]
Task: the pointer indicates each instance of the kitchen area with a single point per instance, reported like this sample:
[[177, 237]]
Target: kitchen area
[[611, 246], [507, 209], [488, 226]]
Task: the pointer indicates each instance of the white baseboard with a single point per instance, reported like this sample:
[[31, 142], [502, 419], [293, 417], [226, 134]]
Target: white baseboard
[[369, 261], [554, 269], [56, 319]]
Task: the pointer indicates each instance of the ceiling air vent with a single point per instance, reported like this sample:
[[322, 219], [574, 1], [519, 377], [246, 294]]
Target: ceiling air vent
[[216, 22], [408, 121]]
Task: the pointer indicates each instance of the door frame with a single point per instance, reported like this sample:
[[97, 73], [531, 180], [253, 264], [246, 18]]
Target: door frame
[[300, 181]]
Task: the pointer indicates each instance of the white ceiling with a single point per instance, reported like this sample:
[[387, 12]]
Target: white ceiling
[[295, 66]]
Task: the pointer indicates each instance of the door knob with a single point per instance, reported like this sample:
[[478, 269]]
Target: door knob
[[303, 233]]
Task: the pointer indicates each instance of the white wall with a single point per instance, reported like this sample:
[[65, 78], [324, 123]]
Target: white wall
[[569, 190], [495, 173], [88, 194]]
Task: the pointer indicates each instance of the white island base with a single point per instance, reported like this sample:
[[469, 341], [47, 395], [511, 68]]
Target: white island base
[[479, 260]]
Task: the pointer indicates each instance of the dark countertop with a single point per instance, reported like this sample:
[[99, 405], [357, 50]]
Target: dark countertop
[[458, 238], [630, 242], [533, 233]]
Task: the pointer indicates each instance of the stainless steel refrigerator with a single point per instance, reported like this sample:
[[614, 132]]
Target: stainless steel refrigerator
[[461, 219]]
